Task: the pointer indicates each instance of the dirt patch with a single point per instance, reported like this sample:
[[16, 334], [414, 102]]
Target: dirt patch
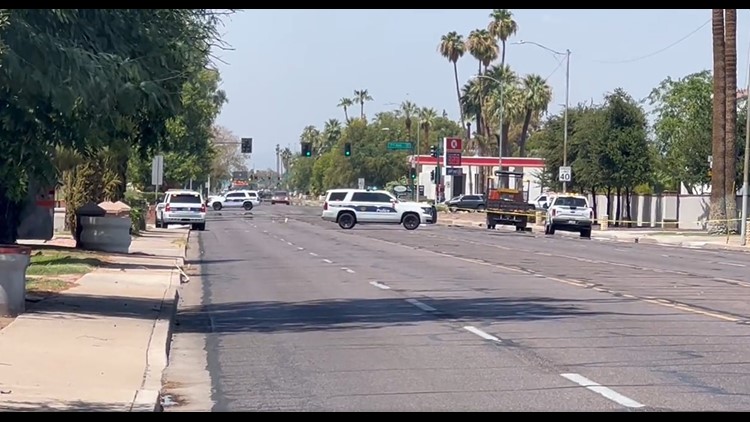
[[5, 321], [43, 287]]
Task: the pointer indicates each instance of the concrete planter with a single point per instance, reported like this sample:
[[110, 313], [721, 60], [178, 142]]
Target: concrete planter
[[13, 263], [106, 234]]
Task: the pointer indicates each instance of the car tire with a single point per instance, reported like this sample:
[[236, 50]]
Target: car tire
[[347, 220], [216, 206], [480, 208], [248, 206], [586, 233], [410, 221]]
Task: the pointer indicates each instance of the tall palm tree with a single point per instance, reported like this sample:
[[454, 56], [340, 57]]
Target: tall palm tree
[[361, 97], [502, 26], [345, 103], [536, 98], [286, 159], [477, 45], [453, 47], [730, 161], [408, 109], [717, 211]]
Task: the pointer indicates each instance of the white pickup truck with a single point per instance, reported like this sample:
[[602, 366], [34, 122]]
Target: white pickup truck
[[570, 213]]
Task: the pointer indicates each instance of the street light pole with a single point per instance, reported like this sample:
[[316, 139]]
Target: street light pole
[[567, 99], [745, 170], [565, 119]]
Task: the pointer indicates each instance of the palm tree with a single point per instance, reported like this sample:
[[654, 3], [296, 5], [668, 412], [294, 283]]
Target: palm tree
[[536, 98], [502, 27], [345, 103], [453, 47], [286, 159], [362, 96], [331, 134], [717, 211], [731, 117], [427, 117], [408, 109]]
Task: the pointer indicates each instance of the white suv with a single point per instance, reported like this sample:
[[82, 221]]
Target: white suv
[[570, 213], [349, 207], [246, 199], [182, 207]]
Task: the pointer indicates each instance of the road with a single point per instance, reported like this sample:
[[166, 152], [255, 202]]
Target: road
[[293, 313]]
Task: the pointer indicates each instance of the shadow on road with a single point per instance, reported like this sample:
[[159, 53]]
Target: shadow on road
[[347, 314], [72, 406]]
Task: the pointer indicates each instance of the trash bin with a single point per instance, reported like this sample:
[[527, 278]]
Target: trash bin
[[90, 209], [14, 260]]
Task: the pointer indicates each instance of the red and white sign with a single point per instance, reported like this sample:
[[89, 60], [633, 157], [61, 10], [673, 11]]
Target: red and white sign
[[452, 149]]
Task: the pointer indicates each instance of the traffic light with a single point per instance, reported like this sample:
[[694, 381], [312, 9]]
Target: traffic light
[[433, 151], [347, 149], [432, 175], [306, 149], [413, 173], [246, 145]]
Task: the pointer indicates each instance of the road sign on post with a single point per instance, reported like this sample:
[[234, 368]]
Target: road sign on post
[[399, 146], [565, 174], [157, 170], [361, 183]]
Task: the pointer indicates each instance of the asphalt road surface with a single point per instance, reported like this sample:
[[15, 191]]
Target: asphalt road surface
[[299, 315]]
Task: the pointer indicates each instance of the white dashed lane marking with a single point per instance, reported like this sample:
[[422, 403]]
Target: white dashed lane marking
[[328, 261], [602, 390], [480, 333], [313, 254], [299, 248], [380, 286], [349, 270], [423, 306]]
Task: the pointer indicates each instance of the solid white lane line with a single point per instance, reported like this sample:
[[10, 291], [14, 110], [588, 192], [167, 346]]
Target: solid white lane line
[[380, 286], [328, 261], [313, 254], [731, 264], [349, 270], [423, 306], [480, 333], [602, 390]]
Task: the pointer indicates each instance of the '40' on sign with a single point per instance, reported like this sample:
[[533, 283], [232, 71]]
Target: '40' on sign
[[453, 159]]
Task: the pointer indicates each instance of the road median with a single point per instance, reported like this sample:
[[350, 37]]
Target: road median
[[97, 330]]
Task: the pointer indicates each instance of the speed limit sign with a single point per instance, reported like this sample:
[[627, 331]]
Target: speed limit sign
[[566, 174]]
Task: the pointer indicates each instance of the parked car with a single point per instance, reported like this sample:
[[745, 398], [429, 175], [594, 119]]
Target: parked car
[[466, 202], [280, 197]]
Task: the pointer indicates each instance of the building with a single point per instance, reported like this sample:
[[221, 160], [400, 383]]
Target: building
[[457, 185]]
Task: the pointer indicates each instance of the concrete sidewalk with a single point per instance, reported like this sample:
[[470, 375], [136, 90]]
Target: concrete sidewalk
[[101, 345], [683, 238]]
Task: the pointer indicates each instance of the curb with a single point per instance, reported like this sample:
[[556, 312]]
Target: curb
[[148, 398]]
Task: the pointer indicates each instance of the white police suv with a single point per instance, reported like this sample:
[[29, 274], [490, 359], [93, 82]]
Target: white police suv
[[349, 207]]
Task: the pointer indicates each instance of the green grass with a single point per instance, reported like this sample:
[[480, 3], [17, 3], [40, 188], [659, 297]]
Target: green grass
[[61, 263]]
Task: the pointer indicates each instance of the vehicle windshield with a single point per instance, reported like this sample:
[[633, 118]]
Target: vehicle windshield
[[185, 199], [571, 202], [280, 193]]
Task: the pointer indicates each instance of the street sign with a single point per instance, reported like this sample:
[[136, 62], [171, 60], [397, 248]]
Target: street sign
[[566, 174], [157, 170], [361, 183], [396, 146], [453, 148], [420, 189], [400, 189]]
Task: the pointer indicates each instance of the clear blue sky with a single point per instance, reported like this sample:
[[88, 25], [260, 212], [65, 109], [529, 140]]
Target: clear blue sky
[[290, 67]]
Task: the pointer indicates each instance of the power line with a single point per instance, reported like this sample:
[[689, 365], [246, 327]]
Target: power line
[[658, 51]]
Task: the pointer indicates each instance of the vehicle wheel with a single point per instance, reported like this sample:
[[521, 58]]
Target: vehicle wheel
[[551, 230], [216, 206], [247, 206], [452, 209], [273, 203], [586, 233], [410, 221], [480, 208], [347, 221], [434, 212]]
